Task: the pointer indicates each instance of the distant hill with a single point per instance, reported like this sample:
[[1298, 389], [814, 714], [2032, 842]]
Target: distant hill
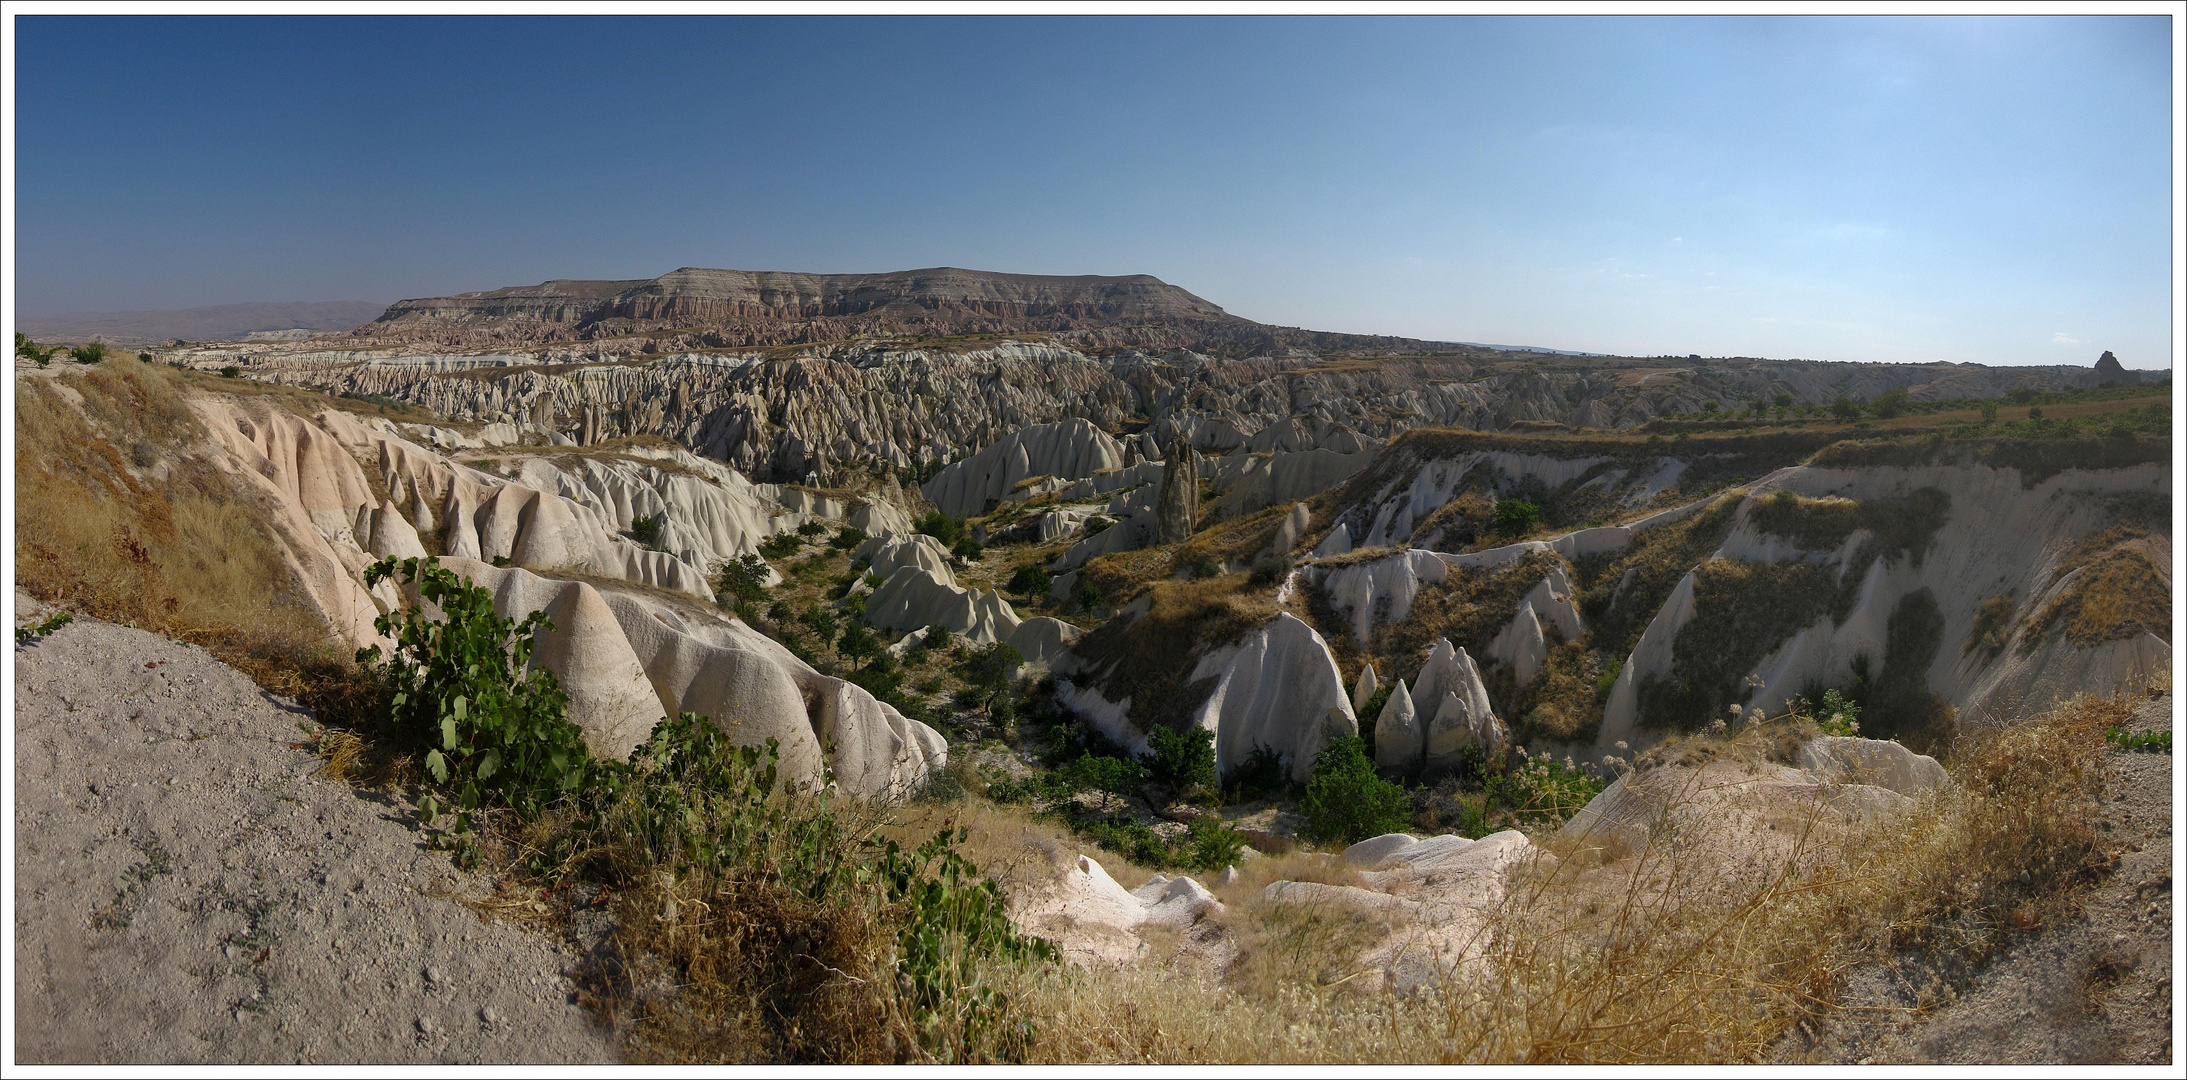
[[695, 307], [226, 322]]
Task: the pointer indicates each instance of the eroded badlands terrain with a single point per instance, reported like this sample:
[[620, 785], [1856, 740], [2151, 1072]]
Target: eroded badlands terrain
[[1567, 615]]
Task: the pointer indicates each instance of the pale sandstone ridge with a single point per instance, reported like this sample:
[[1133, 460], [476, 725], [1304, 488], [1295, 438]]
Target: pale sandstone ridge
[[624, 650]]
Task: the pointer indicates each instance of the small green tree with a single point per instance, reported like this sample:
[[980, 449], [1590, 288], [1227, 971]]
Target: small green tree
[[946, 528], [1182, 760], [1031, 579], [1345, 801], [88, 354], [1515, 517], [744, 581], [988, 672], [646, 529], [1891, 404], [1088, 595], [1112, 777], [847, 538], [858, 643], [1783, 400], [1989, 412], [1844, 409]]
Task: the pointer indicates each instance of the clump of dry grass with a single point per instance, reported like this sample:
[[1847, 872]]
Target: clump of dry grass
[[2123, 591], [1992, 625], [158, 537]]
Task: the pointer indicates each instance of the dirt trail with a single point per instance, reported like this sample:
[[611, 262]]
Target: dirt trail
[[2092, 989], [187, 890]]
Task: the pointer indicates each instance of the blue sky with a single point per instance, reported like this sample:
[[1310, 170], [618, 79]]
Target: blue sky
[[1994, 190]]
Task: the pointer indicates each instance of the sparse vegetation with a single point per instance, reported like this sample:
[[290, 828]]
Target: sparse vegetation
[[2118, 592], [646, 530], [2149, 741]]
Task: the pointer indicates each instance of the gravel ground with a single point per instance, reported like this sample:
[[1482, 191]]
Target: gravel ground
[[187, 890], [2092, 989]]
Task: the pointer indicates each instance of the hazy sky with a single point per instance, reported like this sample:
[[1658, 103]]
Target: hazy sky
[[1996, 190]]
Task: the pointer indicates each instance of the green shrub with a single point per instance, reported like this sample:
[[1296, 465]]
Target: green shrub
[[946, 528], [27, 633], [88, 354], [847, 538], [1835, 714], [1261, 773], [1269, 569], [1211, 844], [1031, 579], [646, 529], [493, 727], [968, 549], [1181, 760], [1890, 403], [1088, 595], [1112, 777], [230, 372], [1346, 802], [1515, 517], [2150, 741], [781, 545], [812, 530]]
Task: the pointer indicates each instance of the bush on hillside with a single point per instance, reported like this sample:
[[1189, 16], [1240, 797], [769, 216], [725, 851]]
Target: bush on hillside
[[1183, 761], [946, 528], [494, 729], [1032, 580], [1516, 517], [1346, 802]]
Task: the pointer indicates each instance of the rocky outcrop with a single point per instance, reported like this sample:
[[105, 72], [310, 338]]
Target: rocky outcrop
[[912, 598], [1379, 590], [1250, 482], [1292, 530], [627, 659], [1451, 704], [1072, 450], [750, 307], [1363, 687], [1399, 743], [1741, 799], [1278, 688], [1177, 508]]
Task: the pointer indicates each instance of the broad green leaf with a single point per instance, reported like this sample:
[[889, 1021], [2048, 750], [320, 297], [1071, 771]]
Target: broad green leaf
[[437, 765], [489, 764], [448, 732]]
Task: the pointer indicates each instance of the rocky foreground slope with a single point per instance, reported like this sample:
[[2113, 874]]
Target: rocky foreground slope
[[189, 889]]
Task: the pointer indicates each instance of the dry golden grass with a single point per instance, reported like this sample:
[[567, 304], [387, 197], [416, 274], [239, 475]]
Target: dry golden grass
[[1149, 659], [120, 516], [1680, 953], [2124, 591]]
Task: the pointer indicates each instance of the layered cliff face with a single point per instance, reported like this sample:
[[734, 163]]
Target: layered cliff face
[[747, 307]]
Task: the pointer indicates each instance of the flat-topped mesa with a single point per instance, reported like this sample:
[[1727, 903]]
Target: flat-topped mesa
[[765, 307]]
